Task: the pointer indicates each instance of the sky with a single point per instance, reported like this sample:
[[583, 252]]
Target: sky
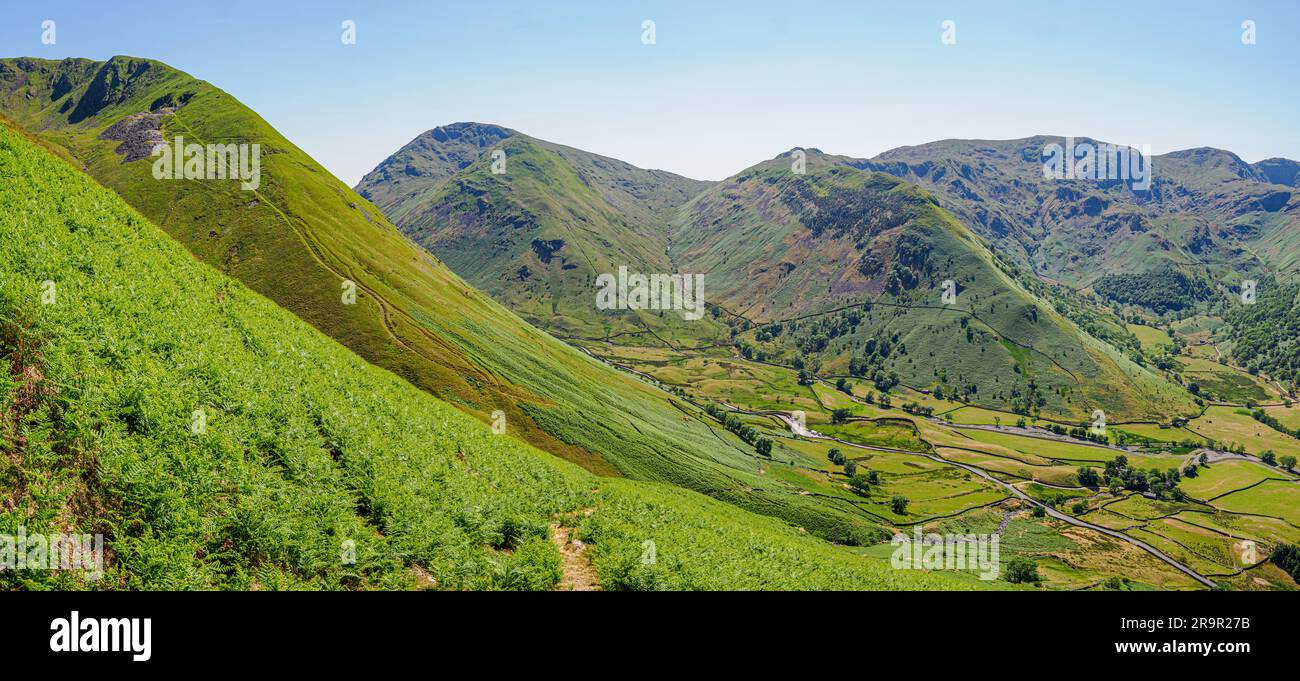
[[724, 85]]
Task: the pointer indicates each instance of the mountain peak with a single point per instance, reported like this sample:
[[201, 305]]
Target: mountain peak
[[483, 134]]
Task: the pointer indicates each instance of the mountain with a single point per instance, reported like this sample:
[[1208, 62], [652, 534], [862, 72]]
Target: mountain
[[1280, 171], [300, 236], [536, 228], [1207, 216], [219, 442], [846, 269], [788, 252]]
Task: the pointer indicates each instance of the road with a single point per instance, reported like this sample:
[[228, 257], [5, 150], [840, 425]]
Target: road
[[802, 431]]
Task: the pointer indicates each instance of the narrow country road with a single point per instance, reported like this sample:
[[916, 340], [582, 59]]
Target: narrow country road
[[802, 431]]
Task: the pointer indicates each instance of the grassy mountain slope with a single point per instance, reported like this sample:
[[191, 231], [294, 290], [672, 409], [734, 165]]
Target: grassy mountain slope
[[1208, 214], [797, 255], [536, 235], [303, 446], [302, 233]]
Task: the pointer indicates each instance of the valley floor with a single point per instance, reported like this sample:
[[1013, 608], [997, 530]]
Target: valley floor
[[970, 469]]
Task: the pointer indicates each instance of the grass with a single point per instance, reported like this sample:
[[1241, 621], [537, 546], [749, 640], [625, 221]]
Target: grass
[[1224, 477], [1288, 416], [1234, 426], [1226, 383], [1275, 498], [305, 444], [1051, 449], [1151, 338]]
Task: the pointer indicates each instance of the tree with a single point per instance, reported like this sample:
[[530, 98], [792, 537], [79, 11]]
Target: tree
[[1268, 457], [1288, 462], [1204, 459], [836, 456], [850, 467], [860, 484], [898, 505], [764, 446], [1022, 571], [1079, 508], [1039, 511], [1190, 471], [840, 415], [1088, 477]]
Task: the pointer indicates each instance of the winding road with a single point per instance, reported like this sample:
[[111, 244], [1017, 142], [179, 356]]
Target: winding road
[[802, 431]]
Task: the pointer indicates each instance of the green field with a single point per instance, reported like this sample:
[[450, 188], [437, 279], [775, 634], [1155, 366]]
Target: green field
[[1234, 426], [1152, 339], [1225, 476], [1275, 498]]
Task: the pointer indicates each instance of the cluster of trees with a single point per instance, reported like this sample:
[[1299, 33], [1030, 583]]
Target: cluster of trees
[[1027, 400], [918, 409], [742, 430], [1119, 475], [1287, 557], [815, 335], [911, 263], [1270, 457], [1161, 290], [750, 352], [870, 362], [884, 400], [1266, 336], [898, 504], [1022, 571], [858, 213], [860, 482], [1081, 432]]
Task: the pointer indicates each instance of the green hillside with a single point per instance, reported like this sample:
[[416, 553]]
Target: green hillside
[[537, 227], [114, 340], [842, 270], [302, 234], [773, 247]]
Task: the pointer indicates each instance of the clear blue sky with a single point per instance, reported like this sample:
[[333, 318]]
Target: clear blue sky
[[728, 83]]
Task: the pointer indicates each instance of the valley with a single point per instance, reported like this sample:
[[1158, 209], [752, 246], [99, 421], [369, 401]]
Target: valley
[[823, 352], [831, 337]]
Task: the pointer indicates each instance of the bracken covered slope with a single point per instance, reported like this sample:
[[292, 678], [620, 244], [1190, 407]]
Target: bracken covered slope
[[220, 442]]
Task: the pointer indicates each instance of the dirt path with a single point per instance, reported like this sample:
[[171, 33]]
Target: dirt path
[[579, 575]]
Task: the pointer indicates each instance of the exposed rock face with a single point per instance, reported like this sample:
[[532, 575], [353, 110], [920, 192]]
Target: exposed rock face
[[140, 133]]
